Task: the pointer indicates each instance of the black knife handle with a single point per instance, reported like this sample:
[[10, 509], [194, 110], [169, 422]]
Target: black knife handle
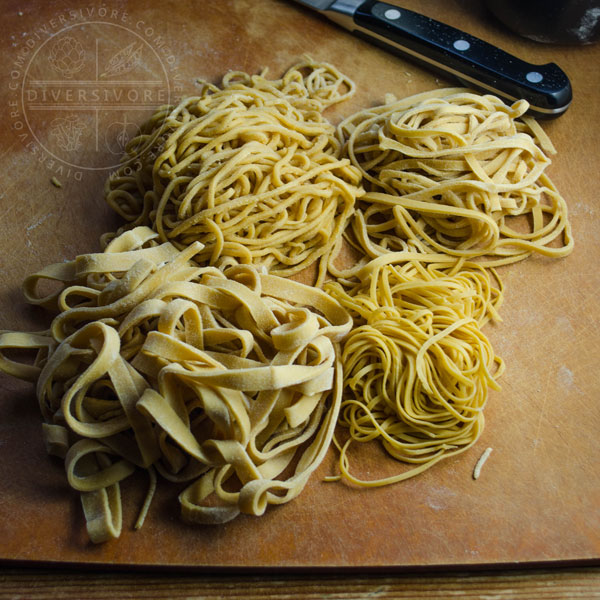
[[474, 62]]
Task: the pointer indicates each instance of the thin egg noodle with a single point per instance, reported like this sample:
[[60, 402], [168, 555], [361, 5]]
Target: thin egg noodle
[[417, 367]]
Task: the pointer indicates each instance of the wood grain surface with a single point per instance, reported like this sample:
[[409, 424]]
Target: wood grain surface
[[556, 584], [538, 498]]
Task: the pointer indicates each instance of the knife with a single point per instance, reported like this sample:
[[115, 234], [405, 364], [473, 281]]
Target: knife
[[474, 62]]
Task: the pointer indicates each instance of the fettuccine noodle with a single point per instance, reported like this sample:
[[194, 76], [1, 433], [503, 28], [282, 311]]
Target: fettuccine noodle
[[451, 171], [230, 381], [417, 367], [252, 170]]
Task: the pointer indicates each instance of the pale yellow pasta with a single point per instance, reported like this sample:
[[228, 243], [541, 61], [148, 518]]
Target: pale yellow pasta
[[229, 380], [455, 172], [181, 350], [251, 169], [417, 367]]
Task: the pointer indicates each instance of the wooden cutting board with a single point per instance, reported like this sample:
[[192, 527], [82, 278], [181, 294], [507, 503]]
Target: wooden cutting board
[[538, 497]]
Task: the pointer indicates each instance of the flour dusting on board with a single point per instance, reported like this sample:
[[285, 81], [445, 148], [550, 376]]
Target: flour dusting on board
[[565, 377], [438, 497], [39, 222]]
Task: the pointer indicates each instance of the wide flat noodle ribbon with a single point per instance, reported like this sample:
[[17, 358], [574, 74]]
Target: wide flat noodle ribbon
[[218, 378]]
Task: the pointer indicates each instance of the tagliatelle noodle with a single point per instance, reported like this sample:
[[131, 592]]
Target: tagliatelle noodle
[[451, 171], [417, 367], [228, 380], [251, 169]]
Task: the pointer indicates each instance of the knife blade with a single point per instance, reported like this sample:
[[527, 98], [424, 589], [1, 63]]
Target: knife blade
[[474, 62]]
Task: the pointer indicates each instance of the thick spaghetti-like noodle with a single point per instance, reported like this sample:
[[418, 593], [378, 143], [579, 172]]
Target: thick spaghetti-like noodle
[[252, 170], [450, 171], [417, 367], [229, 380]]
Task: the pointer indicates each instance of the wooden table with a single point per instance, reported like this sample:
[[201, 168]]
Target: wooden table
[[248, 48], [556, 584]]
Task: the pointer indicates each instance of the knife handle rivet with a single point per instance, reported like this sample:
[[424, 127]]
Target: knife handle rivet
[[461, 45], [534, 77], [392, 14]]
